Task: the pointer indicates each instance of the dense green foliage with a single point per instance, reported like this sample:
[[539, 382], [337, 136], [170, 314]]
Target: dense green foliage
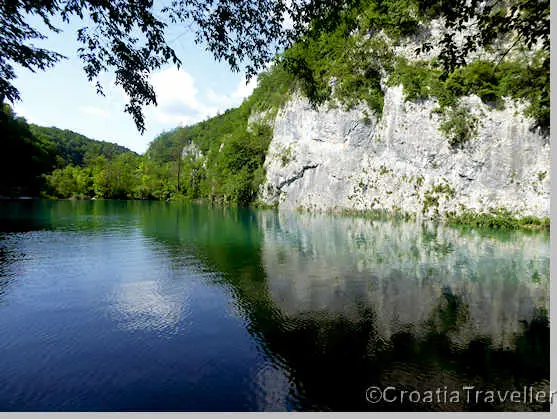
[[230, 174], [74, 148], [218, 160], [117, 178], [347, 61], [498, 219], [23, 158], [28, 152]]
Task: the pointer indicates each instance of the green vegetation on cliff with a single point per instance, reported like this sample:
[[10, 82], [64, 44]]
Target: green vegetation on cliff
[[351, 59], [346, 59], [522, 78]]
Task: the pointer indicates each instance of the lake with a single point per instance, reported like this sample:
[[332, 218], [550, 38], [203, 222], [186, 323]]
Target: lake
[[155, 306]]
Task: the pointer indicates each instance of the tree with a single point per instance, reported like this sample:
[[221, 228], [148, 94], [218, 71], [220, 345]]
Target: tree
[[23, 157], [110, 43], [127, 36], [518, 23], [526, 22]]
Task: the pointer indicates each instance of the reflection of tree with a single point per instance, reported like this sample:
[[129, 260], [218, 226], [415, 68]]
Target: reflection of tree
[[332, 359], [19, 216], [450, 314], [32, 215]]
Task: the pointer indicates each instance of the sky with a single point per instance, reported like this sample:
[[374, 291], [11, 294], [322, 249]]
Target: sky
[[62, 96]]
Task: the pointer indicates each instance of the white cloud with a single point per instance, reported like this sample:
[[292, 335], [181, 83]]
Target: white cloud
[[243, 90], [176, 97], [180, 102], [223, 101], [94, 111], [175, 87]]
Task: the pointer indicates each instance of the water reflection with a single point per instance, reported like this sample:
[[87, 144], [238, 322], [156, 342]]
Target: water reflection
[[415, 306], [42, 215], [145, 306], [7, 276], [340, 304], [403, 270], [261, 310]]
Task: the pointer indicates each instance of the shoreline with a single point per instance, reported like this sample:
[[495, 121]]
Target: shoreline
[[491, 219]]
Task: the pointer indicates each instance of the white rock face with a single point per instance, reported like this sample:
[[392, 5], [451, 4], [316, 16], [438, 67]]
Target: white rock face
[[331, 159], [191, 149]]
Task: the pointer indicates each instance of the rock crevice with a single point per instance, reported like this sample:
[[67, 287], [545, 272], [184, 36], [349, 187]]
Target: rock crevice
[[297, 176]]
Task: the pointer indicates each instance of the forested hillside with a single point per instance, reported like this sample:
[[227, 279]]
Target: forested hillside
[[74, 148], [224, 165], [29, 153]]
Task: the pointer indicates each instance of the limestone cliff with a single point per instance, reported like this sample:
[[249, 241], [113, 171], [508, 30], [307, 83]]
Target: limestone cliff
[[333, 159]]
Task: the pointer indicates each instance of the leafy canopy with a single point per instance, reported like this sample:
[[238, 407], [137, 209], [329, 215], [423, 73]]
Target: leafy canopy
[[128, 36]]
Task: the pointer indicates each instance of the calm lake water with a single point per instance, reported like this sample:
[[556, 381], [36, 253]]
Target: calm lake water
[[109, 305]]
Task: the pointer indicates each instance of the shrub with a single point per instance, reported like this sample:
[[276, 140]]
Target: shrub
[[459, 125]]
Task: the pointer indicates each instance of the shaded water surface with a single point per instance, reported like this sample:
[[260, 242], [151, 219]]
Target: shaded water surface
[[109, 305]]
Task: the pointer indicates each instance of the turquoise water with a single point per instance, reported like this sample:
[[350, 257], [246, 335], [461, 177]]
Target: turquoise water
[[115, 305]]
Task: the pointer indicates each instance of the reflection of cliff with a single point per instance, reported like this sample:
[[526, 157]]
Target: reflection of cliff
[[331, 265], [338, 305]]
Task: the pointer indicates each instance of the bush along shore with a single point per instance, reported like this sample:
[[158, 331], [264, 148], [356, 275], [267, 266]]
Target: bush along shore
[[494, 219]]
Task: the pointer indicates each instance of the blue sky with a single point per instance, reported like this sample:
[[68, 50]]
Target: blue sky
[[62, 96]]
